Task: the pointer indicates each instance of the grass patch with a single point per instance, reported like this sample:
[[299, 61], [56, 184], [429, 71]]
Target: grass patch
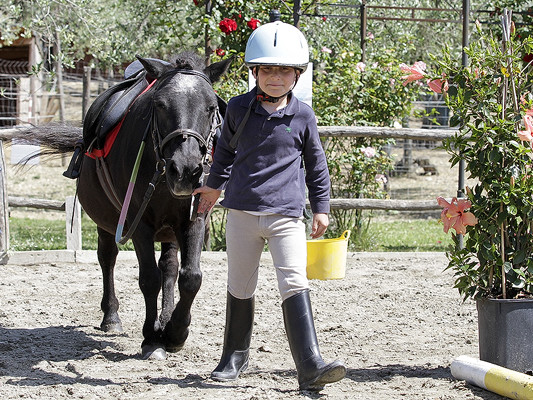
[[407, 235], [382, 235], [30, 234]]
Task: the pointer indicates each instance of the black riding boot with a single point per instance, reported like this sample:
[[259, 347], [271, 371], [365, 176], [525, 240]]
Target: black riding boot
[[237, 336], [313, 372]]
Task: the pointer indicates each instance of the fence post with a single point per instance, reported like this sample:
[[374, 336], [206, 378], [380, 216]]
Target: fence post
[[4, 215], [86, 96], [73, 215]]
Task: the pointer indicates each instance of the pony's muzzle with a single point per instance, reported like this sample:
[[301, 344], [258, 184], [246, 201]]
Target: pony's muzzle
[[182, 179]]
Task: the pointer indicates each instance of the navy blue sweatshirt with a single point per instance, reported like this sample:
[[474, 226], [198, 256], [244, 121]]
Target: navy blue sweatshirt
[[277, 156]]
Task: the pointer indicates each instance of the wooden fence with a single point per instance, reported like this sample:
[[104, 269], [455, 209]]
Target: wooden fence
[[72, 207]]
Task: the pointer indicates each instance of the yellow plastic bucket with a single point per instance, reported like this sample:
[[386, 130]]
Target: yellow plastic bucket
[[326, 258]]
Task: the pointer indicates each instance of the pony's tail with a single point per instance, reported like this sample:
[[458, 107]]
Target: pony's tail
[[54, 138]]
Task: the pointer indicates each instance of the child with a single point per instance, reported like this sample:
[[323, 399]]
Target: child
[[267, 155]]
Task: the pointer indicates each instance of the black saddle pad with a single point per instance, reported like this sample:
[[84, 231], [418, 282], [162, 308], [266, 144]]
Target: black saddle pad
[[109, 108]]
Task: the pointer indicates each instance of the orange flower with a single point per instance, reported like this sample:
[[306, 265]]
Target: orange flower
[[416, 72], [454, 216]]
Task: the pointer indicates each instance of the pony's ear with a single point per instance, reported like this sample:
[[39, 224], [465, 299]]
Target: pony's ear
[[216, 70], [154, 67]]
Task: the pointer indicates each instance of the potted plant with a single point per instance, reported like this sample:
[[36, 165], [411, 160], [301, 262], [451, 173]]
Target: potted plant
[[492, 105]]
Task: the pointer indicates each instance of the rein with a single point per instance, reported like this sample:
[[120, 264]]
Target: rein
[[159, 143]]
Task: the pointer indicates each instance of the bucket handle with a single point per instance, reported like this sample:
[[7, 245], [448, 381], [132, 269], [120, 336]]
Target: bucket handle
[[345, 235]]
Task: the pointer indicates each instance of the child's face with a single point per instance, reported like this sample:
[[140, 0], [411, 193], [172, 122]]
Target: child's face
[[276, 81]]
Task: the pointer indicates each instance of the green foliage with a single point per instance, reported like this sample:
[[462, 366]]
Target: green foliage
[[488, 100], [348, 92]]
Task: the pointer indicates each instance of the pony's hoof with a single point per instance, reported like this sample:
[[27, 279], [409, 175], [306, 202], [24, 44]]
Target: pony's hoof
[[174, 348], [112, 327], [174, 343], [154, 352]]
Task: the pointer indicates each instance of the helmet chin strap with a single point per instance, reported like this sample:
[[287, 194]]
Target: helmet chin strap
[[262, 96]]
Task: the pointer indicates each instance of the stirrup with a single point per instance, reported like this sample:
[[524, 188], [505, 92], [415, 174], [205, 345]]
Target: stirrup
[[74, 167]]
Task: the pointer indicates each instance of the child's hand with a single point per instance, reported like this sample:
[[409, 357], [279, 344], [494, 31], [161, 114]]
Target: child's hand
[[208, 198], [320, 224]]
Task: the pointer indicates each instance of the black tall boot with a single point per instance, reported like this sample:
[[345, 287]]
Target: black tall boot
[[313, 372], [237, 336]]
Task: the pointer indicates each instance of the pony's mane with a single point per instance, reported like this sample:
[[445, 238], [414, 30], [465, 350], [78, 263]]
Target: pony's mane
[[188, 60]]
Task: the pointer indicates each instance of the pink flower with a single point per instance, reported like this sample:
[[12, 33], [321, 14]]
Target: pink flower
[[370, 35], [416, 72], [252, 24], [454, 216], [360, 66], [526, 135], [220, 52], [380, 178], [227, 25], [369, 152], [326, 50]]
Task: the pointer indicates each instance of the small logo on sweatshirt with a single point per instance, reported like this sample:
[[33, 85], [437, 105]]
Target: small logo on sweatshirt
[[288, 129]]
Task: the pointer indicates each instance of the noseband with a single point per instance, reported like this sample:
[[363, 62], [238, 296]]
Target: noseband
[[206, 144]]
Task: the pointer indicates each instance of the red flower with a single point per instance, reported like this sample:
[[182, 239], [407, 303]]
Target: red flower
[[220, 52], [252, 24], [195, 2], [527, 58], [324, 18], [227, 25]]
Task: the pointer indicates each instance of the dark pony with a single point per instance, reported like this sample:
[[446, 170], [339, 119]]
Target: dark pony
[[174, 119]]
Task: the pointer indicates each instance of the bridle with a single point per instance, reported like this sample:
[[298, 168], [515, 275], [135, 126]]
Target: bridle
[[206, 145]]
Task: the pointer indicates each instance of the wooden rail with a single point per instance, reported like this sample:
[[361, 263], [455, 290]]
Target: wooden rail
[[42, 204], [377, 132], [343, 131], [335, 204]]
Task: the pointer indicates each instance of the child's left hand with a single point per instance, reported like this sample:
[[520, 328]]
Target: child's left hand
[[319, 226]]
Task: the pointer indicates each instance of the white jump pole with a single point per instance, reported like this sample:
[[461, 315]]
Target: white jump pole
[[502, 381]]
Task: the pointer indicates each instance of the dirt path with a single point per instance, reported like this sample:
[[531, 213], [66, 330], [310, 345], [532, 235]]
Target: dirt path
[[395, 320]]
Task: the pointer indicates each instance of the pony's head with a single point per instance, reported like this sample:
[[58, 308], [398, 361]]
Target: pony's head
[[185, 115]]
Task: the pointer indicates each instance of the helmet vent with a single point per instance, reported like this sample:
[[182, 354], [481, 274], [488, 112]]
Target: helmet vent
[[275, 38]]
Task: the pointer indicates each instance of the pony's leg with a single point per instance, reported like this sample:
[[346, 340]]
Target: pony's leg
[[107, 257], [189, 282], [169, 265], [150, 284]]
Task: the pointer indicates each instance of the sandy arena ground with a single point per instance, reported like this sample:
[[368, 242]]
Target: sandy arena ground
[[395, 321]]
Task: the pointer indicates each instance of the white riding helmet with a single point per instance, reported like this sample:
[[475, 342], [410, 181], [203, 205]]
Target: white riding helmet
[[277, 43]]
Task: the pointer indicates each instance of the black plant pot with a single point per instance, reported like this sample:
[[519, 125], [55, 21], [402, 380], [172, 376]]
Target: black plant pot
[[506, 333]]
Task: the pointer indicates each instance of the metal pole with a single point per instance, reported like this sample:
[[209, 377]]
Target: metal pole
[[297, 11], [363, 29], [464, 63], [207, 38]]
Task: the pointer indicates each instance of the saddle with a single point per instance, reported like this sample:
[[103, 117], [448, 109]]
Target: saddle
[[104, 114]]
